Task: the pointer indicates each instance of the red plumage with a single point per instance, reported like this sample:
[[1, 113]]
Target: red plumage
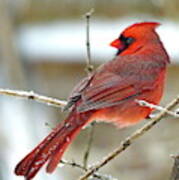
[[109, 94]]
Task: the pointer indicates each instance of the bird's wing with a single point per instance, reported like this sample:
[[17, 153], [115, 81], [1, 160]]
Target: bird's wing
[[76, 92], [107, 90], [128, 78]]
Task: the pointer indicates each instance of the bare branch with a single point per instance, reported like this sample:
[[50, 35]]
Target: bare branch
[[87, 152], [95, 175], [73, 164], [33, 96], [157, 107], [129, 140], [89, 66]]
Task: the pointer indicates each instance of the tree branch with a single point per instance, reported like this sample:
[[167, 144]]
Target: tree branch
[[33, 96], [89, 67], [157, 107], [90, 140], [95, 175], [129, 140]]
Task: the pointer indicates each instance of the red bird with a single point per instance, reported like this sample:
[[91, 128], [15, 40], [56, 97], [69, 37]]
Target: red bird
[[108, 94]]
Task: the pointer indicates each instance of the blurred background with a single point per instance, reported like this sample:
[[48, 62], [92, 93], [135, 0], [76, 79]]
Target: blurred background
[[42, 48]]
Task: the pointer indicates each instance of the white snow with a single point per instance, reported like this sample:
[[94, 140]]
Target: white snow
[[65, 40]]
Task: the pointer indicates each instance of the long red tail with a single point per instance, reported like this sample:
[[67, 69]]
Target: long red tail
[[52, 147]]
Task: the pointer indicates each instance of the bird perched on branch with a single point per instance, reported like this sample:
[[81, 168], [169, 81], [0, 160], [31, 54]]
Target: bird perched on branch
[[108, 94]]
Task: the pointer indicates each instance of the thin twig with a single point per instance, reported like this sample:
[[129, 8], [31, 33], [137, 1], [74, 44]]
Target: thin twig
[[87, 152], [76, 165], [89, 66], [73, 164], [33, 96], [129, 140], [157, 107], [89, 69]]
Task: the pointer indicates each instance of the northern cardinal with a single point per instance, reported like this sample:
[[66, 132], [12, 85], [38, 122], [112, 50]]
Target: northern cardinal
[[108, 94]]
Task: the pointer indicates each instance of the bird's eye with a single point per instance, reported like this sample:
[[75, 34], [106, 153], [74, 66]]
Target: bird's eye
[[126, 40], [129, 40]]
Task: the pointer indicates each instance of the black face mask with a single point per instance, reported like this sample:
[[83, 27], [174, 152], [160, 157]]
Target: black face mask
[[126, 42]]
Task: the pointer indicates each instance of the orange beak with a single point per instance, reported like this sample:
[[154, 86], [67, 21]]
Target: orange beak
[[117, 44]]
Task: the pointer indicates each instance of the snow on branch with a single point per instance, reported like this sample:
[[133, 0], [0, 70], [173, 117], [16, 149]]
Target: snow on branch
[[34, 96], [156, 107]]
